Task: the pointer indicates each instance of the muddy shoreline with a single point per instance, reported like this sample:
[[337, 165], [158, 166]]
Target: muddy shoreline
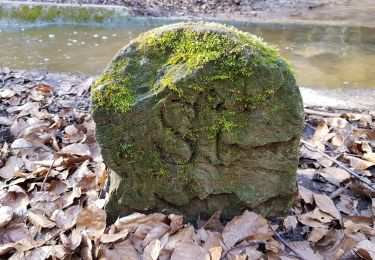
[[272, 12]]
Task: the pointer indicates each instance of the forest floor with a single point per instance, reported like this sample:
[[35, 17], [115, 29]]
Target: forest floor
[[53, 187], [349, 12]]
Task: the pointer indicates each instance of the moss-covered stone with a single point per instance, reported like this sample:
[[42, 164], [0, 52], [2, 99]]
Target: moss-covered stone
[[25, 12], [198, 117]]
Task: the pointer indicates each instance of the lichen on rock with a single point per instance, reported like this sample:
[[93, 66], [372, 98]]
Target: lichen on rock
[[198, 117]]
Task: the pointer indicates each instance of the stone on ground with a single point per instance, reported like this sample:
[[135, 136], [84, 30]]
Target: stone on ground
[[193, 118]]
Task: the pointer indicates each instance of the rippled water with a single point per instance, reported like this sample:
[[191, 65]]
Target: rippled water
[[322, 57]]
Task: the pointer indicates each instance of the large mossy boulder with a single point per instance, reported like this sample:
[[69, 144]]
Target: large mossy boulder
[[193, 118]]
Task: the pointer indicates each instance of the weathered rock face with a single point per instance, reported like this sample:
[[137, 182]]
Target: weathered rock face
[[198, 117]]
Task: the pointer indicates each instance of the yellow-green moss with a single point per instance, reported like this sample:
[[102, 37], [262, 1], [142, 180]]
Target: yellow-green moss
[[32, 13], [112, 89], [227, 53]]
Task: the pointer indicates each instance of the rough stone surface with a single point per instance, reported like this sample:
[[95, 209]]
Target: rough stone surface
[[198, 117]]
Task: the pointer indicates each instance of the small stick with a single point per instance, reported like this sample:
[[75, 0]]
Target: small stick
[[338, 191], [49, 170], [252, 243], [340, 164], [285, 243], [320, 113]]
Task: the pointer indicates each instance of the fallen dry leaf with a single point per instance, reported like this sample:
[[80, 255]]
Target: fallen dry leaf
[[77, 149], [290, 222], [317, 234], [188, 251], [359, 164], [152, 250], [305, 194], [305, 250], [316, 219], [134, 220], [249, 225], [6, 214], [66, 219], [326, 205], [91, 219], [73, 241], [124, 249], [13, 164], [39, 221], [335, 175], [365, 249], [215, 253], [16, 198], [110, 238]]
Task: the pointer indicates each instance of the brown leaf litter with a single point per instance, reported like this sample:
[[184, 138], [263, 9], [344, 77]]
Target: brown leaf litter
[[53, 186]]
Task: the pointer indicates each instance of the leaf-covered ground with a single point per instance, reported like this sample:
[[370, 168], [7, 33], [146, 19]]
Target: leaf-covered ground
[[53, 186]]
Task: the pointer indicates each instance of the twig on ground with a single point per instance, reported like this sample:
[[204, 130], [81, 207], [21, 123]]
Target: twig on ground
[[282, 240], [340, 164], [320, 113], [256, 242], [339, 191], [49, 170]]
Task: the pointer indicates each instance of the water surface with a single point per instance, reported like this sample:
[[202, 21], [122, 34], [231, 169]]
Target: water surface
[[322, 57]]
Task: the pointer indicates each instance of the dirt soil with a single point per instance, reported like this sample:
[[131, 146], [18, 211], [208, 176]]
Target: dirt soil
[[349, 12]]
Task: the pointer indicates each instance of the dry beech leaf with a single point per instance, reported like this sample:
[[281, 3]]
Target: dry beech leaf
[[337, 140], [110, 238], [155, 233], [365, 249], [359, 164], [77, 149], [351, 228], [12, 165], [123, 249], [335, 175], [7, 93], [213, 240], [188, 251], [176, 222], [185, 234], [134, 220], [16, 198], [39, 221], [46, 202], [317, 233], [305, 194], [152, 250], [249, 225], [73, 241], [6, 214], [304, 249], [215, 253], [91, 219], [369, 157], [347, 205], [316, 218], [326, 205], [14, 232], [321, 132], [290, 222], [45, 89], [66, 219]]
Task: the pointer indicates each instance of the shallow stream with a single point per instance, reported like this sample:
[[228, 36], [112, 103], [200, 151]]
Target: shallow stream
[[329, 57]]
